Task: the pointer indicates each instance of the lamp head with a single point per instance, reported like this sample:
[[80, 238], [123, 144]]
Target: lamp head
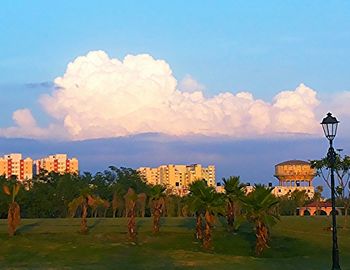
[[330, 126]]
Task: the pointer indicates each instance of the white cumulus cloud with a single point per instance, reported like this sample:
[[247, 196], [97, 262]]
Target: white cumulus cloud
[[26, 126], [99, 96], [189, 84], [24, 118]]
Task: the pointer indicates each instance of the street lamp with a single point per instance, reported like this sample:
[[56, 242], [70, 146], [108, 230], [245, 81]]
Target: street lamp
[[330, 126]]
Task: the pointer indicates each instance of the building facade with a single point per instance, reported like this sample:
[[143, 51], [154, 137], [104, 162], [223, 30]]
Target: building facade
[[178, 177], [58, 163], [318, 208], [294, 175], [14, 165]]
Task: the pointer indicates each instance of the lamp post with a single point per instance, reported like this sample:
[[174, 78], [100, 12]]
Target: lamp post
[[330, 126]]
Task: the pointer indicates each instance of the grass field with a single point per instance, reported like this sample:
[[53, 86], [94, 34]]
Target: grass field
[[297, 243]]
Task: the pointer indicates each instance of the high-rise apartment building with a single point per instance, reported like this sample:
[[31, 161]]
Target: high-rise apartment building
[[58, 163], [196, 171], [178, 177], [14, 165]]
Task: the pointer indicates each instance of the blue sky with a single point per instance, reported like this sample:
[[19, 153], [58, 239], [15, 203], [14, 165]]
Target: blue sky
[[263, 47], [260, 46]]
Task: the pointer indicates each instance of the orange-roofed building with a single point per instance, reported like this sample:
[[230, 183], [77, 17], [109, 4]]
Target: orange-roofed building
[[321, 208]]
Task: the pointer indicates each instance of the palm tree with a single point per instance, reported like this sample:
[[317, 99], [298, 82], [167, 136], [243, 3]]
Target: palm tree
[[206, 203], [141, 203], [130, 202], [195, 191], [157, 201], [83, 201], [234, 191], [259, 207], [106, 205], [14, 214], [117, 201], [98, 203]]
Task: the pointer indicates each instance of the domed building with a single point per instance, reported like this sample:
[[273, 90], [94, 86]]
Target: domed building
[[294, 175]]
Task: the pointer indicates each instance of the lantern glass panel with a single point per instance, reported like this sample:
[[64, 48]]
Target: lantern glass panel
[[325, 130], [335, 129]]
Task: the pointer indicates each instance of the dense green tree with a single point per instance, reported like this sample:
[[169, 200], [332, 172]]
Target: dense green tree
[[299, 197], [289, 203], [50, 193], [129, 178], [317, 198], [286, 206], [4, 199]]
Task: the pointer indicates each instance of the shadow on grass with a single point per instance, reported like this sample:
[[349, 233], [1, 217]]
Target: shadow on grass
[[140, 223], [162, 222], [27, 228], [96, 222], [243, 243], [188, 223]]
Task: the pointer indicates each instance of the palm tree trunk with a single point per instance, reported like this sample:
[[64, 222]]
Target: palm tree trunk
[[13, 218], [83, 225], [199, 228], [132, 222], [207, 232], [230, 215], [262, 236], [156, 218]]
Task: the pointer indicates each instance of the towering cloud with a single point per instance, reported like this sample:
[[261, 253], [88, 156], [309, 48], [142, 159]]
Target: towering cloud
[[99, 96], [26, 126]]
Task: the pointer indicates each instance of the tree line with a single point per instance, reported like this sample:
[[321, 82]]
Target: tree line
[[121, 192]]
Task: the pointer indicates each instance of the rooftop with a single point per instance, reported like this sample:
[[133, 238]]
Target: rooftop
[[293, 162], [320, 204]]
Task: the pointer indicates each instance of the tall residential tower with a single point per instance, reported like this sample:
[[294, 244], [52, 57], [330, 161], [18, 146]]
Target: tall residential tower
[[178, 177], [14, 165], [58, 163]]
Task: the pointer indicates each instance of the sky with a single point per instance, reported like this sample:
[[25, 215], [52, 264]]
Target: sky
[[241, 72]]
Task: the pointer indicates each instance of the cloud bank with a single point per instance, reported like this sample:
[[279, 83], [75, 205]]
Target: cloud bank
[[101, 97]]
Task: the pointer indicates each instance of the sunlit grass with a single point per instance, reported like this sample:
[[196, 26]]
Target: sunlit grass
[[297, 243]]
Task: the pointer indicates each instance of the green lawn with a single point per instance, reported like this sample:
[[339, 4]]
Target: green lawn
[[297, 243]]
